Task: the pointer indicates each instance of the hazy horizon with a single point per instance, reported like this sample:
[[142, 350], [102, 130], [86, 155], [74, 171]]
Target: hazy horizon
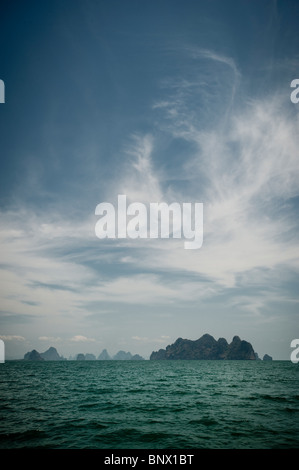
[[113, 353]]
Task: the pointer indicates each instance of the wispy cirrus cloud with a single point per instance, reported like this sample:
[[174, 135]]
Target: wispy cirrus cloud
[[245, 173], [141, 180], [244, 168], [240, 161]]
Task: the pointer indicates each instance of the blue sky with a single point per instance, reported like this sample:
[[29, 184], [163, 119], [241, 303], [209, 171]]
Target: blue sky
[[185, 101]]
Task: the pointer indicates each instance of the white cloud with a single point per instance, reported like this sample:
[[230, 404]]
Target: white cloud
[[143, 339], [244, 168], [51, 339], [12, 338], [140, 182], [82, 339], [246, 171]]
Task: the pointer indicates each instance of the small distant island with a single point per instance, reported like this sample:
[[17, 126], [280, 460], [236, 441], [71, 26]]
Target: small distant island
[[50, 355], [104, 356], [207, 348]]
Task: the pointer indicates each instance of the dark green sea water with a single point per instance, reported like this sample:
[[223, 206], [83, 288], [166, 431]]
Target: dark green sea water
[[149, 404]]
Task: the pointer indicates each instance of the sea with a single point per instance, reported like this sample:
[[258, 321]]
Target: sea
[[149, 405]]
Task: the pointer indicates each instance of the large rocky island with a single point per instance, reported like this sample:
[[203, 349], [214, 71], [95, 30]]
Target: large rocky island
[[206, 348]]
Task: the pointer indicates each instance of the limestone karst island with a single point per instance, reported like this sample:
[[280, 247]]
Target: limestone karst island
[[204, 348]]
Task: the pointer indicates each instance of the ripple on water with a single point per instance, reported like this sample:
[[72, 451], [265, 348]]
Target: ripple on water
[[167, 404]]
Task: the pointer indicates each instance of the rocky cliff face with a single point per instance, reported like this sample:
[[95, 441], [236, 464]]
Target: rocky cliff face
[[206, 348]]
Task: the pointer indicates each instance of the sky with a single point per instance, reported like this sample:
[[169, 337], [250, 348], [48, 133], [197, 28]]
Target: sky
[[161, 101]]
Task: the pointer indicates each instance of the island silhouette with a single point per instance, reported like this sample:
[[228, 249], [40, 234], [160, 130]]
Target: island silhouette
[[204, 348]]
